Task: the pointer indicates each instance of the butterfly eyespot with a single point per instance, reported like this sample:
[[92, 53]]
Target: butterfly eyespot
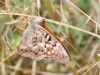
[[36, 53], [42, 50]]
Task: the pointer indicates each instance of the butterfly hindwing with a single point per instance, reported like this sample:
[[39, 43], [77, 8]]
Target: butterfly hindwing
[[53, 48]]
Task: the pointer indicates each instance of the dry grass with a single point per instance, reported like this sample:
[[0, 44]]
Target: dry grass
[[76, 22]]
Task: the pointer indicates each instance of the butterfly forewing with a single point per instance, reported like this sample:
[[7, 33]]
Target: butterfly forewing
[[37, 43]]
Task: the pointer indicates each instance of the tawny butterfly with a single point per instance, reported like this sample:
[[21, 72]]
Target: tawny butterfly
[[39, 42]]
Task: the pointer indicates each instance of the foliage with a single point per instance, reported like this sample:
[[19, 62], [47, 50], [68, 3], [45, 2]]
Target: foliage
[[72, 25]]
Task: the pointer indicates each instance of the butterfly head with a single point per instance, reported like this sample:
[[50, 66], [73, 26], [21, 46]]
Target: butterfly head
[[39, 21]]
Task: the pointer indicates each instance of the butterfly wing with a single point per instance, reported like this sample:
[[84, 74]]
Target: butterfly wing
[[53, 48], [37, 43]]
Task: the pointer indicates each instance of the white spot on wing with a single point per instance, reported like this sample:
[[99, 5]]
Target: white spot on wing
[[45, 49], [57, 44], [30, 45], [41, 44], [55, 48], [52, 51], [50, 45], [47, 45], [49, 52], [48, 37]]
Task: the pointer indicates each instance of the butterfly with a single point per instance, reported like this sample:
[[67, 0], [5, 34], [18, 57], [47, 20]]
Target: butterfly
[[39, 42]]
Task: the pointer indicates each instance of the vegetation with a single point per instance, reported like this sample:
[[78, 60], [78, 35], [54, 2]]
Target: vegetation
[[74, 22]]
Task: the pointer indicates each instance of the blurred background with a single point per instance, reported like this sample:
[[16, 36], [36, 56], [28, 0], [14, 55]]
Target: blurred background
[[75, 22]]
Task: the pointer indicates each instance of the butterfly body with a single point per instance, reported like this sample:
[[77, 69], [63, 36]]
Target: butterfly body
[[38, 43]]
